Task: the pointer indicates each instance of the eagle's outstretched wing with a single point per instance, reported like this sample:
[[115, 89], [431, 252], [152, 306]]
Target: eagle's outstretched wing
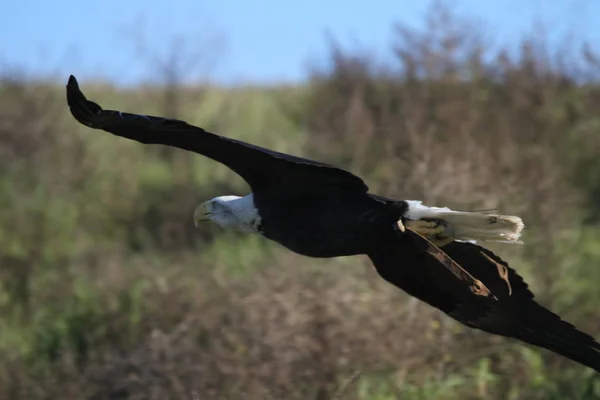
[[256, 165], [510, 310]]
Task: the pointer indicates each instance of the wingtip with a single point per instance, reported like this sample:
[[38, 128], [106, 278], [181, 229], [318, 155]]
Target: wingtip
[[81, 108], [72, 80], [72, 90]]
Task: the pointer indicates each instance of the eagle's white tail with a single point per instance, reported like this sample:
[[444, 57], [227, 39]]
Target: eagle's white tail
[[470, 225]]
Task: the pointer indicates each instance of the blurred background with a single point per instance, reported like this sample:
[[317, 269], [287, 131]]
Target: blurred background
[[107, 291]]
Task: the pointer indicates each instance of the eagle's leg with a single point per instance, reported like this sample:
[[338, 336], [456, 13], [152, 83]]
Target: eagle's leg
[[434, 230]]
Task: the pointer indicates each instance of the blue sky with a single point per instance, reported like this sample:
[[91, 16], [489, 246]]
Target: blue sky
[[244, 40]]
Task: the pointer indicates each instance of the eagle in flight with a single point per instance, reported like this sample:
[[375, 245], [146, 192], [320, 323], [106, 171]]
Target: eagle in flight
[[318, 210]]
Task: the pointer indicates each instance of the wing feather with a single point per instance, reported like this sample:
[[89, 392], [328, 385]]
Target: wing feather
[[414, 264], [509, 310], [258, 166], [517, 314]]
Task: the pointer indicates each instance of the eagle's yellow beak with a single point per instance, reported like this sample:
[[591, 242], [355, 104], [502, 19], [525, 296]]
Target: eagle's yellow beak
[[202, 213]]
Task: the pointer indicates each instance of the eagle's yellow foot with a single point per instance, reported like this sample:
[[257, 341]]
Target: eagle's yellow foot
[[434, 231], [425, 228]]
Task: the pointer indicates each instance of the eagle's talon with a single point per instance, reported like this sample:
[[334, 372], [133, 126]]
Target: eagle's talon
[[401, 226]]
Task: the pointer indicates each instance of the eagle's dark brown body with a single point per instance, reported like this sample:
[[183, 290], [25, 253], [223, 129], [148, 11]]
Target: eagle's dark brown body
[[327, 224]]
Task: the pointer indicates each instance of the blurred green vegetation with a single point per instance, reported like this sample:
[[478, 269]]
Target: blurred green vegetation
[[107, 291]]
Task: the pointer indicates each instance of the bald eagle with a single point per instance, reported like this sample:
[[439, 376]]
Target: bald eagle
[[318, 210]]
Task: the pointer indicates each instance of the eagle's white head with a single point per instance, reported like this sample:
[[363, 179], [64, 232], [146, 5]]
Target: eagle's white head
[[229, 212]]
